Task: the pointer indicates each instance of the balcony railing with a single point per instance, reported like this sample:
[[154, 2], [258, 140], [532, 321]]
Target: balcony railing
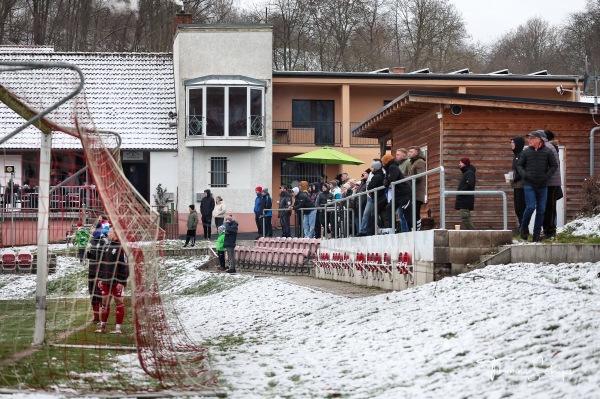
[[361, 141], [307, 133]]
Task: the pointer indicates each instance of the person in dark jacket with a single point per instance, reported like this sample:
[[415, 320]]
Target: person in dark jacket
[[231, 230], [113, 272], [536, 166], [266, 202], [367, 226], [285, 201], [418, 165], [303, 204], [97, 242], [192, 225], [554, 191], [324, 197], [402, 191], [207, 205], [516, 182], [466, 203], [258, 211]]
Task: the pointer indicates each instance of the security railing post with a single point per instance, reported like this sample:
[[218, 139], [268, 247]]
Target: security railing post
[[442, 198]]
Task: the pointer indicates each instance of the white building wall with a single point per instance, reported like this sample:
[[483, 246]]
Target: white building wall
[[163, 170], [224, 50]]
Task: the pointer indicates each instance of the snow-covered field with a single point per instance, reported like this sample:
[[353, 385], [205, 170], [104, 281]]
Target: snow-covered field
[[519, 330]]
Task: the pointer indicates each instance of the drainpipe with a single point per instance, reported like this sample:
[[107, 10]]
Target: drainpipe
[[594, 130], [193, 165]]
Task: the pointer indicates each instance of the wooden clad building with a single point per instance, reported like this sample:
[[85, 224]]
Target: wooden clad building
[[450, 126]]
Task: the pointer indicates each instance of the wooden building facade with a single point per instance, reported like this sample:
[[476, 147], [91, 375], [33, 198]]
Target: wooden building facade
[[451, 126]]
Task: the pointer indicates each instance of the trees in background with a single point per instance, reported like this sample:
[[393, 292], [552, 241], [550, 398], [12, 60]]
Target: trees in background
[[337, 35]]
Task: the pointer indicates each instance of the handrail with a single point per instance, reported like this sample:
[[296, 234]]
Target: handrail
[[482, 193]]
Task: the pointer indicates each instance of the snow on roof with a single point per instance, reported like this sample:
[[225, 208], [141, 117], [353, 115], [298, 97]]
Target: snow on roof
[[129, 93]]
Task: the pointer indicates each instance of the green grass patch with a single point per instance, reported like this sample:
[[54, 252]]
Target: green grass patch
[[552, 327], [449, 335], [213, 284]]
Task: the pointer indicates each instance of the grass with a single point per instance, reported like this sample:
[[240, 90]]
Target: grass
[[76, 367], [567, 237]]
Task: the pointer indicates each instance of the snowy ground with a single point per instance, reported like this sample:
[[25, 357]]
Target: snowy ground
[[518, 330]]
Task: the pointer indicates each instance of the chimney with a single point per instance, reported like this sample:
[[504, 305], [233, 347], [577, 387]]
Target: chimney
[[181, 18], [398, 70]]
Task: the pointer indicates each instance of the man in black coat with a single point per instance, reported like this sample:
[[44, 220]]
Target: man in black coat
[[466, 203], [536, 166], [285, 201], [231, 230], [402, 190], [207, 205]]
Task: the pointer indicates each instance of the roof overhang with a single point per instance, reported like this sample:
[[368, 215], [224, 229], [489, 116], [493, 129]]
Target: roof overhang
[[414, 103]]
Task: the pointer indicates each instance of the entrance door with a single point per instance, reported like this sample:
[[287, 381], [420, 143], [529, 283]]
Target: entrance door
[[137, 174]]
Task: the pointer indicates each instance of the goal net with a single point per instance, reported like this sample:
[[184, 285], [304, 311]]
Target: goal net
[[85, 181]]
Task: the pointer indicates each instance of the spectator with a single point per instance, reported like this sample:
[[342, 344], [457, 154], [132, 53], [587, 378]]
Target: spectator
[[417, 166], [466, 203], [517, 183], [402, 191], [536, 166], [105, 226], [192, 225], [285, 201], [257, 211], [336, 191], [133, 177], [323, 199], [220, 247], [207, 205], [367, 226], [95, 252], [403, 160], [304, 204], [219, 211], [81, 239], [113, 273], [314, 190], [554, 191], [231, 229], [266, 202]]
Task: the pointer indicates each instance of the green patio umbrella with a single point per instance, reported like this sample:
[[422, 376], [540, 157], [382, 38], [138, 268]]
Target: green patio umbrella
[[327, 156]]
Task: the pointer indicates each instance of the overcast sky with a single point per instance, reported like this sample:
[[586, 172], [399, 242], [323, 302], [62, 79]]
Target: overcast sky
[[487, 20]]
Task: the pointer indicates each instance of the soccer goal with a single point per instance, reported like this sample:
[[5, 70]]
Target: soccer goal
[[70, 177]]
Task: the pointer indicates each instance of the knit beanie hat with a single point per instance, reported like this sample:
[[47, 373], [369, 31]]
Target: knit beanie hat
[[265, 190], [221, 228], [386, 159], [230, 217], [303, 185], [79, 224], [376, 164], [465, 161], [258, 188], [295, 190]]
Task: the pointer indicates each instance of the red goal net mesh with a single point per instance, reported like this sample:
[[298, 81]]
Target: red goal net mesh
[[75, 358]]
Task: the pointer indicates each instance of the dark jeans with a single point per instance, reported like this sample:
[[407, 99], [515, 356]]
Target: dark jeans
[[206, 222], [221, 255], [285, 225], [258, 221], [550, 213], [219, 222], [535, 198], [190, 235], [268, 226], [519, 200]]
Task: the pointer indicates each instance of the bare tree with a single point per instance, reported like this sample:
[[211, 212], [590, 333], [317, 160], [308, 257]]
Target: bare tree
[[529, 48], [7, 8], [579, 39], [290, 33], [428, 33]]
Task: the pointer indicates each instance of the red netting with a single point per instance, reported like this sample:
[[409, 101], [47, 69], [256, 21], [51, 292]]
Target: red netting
[[164, 350]]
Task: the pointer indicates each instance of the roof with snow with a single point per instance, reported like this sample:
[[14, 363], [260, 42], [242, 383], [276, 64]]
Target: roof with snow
[[128, 93]]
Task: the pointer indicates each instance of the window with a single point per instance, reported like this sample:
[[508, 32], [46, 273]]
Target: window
[[218, 171], [225, 106], [317, 115], [297, 171]]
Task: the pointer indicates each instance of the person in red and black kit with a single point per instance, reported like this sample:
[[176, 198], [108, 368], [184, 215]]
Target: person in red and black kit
[[113, 272]]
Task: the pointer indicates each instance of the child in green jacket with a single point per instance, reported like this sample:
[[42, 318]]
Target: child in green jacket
[[81, 239], [220, 248]]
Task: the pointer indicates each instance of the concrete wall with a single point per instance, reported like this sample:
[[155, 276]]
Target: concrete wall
[[224, 50]]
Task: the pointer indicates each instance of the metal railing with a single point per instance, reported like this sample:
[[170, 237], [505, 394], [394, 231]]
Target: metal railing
[[482, 193], [307, 133]]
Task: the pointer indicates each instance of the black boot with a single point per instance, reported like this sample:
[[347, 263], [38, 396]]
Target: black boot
[[187, 240], [193, 241]]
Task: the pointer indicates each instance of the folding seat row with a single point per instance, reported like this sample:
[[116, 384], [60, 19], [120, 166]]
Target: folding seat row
[[13, 262], [272, 259]]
